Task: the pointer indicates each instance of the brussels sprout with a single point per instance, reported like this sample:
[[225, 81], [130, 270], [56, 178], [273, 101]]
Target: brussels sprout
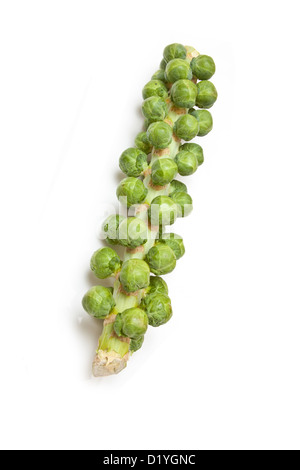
[[163, 171], [157, 285], [174, 51], [162, 211], [195, 149], [142, 143], [132, 323], [133, 232], [163, 64], [105, 262], [161, 259], [160, 134], [133, 161], [159, 75], [133, 189], [186, 127], [178, 69], [177, 186], [175, 242], [204, 119], [136, 344], [158, 309], [206, 94], [135, 275], [155, 88], [203, 67], [184, 203], [111, 228], [154, 109], [184, 93], [98, 302], [187, 162]]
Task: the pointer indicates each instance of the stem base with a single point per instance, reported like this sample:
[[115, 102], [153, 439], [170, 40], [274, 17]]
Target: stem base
[[108, 363]]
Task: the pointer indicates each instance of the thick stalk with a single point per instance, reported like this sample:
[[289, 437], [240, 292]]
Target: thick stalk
[[113, 352]]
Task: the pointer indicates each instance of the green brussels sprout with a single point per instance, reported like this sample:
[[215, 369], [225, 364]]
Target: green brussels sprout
[[133, 161], [154, 109], [143, 144], [195, 149], [158, 309], [178, 69], [162, 211], [155, 88], [136, 344], [204, 119], [132, 323], [105, 262], [206, 94], [157, 285], [184, 93], [159, 75], [133, 189], [177, 186], [186, 127], [133, 232], [203, 67], [98, 302], [187, 162], [163, 64], [184, 203], [175, 242], [163, 171], [110, 228], [161, 259], [135, 275], [160, 134], [174, 51]]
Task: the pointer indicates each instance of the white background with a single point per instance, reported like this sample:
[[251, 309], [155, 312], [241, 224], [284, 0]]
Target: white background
[[224, 373]]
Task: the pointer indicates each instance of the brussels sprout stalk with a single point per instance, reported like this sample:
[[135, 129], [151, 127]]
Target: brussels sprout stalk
[[132, 294], [113, 353]]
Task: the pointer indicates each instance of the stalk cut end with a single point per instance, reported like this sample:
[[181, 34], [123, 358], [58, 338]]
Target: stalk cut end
[[108, 363]]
